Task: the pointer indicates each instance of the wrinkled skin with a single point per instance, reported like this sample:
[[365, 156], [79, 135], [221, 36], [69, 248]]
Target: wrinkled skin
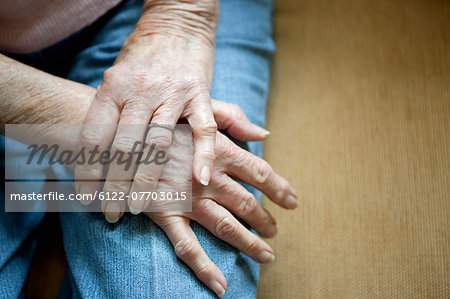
[[212, 205]]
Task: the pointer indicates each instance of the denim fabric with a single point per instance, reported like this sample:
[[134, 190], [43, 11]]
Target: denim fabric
[[133, 258]]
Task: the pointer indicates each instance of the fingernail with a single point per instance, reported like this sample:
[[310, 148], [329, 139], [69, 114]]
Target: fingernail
[[271, 231], [217, 288], [85, 189], [114, 209], [205, 176], [110, 220], [134, 212], [266, 257], [266, 133], [261, 131], [290, 202], [134, 207]]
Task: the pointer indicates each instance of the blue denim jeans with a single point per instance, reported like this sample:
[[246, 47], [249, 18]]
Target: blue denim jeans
[[133, 258]]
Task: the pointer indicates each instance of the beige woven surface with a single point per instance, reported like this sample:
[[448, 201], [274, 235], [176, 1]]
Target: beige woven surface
[[360, 121]]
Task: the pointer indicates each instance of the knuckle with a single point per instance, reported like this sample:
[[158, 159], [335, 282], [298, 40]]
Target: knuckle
[[208, 155], [160, 141], [247, 205], [143, 177], [105, 96], [199, 82], [185, 249], [225, 228], [123, 144], [203, 204], [111, 76], [166, 220], [89, 139], [223, 186], [234, 114], [208, 127], [114, 186], [86, 171], [201, 270], [252, 245], [263, 173]]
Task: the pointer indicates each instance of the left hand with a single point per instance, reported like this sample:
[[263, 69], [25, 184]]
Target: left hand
[[212, 207]]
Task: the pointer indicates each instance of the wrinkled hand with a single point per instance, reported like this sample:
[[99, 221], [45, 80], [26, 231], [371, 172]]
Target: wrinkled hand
[[162, 73], [229, 118], [212, 207]]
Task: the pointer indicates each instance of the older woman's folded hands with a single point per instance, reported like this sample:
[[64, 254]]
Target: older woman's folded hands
[[213, 206]]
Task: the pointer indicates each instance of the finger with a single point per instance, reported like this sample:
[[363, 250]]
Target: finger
[[235, 198], [224, 226], [159, 140], [125, 151], [231, 118], [189, 250], [256, 172], [96, 133], [204, 129]]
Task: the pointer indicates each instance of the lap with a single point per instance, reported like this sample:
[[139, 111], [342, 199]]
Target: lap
[[134, 258]]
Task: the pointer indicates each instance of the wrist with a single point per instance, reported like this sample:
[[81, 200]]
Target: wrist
[[183, 19]]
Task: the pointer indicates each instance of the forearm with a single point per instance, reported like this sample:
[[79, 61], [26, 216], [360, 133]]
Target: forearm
[[30, 96]]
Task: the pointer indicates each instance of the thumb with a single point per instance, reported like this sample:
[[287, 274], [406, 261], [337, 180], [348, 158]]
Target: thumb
[[231, 118]]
